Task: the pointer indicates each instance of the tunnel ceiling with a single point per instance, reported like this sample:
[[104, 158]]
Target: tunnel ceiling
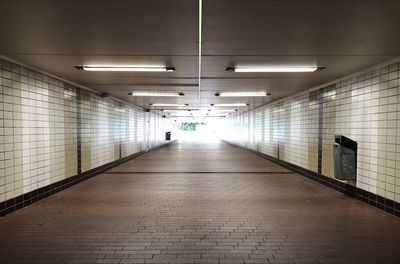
[[343, 36]]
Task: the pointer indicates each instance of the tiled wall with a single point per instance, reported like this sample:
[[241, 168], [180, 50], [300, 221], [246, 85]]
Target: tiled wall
[[43, 121], [300, 129]]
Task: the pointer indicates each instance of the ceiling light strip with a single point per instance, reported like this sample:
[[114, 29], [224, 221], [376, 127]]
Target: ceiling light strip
[[235, 104], [162, 104], [223, 111], [277, 69], [241, 94], [125, 68], [177, 110], [156, 94]]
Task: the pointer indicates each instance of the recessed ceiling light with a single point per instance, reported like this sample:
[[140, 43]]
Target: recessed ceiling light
[[236, 104], [162, 104], [274, 68], [155, 94], [223, 110], [177, 110], [241, 94], [125, 68]]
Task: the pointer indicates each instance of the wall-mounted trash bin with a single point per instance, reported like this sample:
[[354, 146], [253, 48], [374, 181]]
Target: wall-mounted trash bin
[[168, 135], [345, 158]]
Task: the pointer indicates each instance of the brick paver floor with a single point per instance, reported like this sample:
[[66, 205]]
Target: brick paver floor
[[214, 204]]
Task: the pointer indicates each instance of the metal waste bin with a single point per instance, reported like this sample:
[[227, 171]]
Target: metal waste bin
[[168, 135], [345, 158]]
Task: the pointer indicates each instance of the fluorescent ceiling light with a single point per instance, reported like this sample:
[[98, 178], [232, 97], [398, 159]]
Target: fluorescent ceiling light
[[125, 68], [155, 94], [274, 68], [241, 94], [177, 110], [161, 104], [237, 104], [223, 111]]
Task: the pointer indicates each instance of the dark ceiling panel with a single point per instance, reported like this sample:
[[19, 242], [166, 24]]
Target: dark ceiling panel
[[93, 27], [344, 36], [301, 27]]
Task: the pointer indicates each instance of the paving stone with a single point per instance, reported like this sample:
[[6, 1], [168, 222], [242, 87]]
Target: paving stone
[[180, 216]]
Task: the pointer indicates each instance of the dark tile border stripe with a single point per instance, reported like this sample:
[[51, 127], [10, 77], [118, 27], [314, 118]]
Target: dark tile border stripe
[[380, 202], [198, 172], [23, 200], [320, 127], [79, 131]]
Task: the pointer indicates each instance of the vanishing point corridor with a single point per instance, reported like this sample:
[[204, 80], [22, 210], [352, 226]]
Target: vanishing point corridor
[[199, 203], [199, 131]]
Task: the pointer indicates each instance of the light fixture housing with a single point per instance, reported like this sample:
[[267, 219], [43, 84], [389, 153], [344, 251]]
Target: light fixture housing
[[223, 110], [242, 94], [178, 110], [233, 105], [162, 104], [125, 68], [272, 69], [156, 94]]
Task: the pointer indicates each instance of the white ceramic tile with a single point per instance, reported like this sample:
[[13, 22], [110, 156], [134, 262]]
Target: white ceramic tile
[[365, 108]]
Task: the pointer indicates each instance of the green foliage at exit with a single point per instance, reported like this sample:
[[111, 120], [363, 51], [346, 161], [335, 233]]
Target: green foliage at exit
[[190, 126]]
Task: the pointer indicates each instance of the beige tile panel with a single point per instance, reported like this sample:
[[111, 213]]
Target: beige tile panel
[[365, 108], [38, 130]]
